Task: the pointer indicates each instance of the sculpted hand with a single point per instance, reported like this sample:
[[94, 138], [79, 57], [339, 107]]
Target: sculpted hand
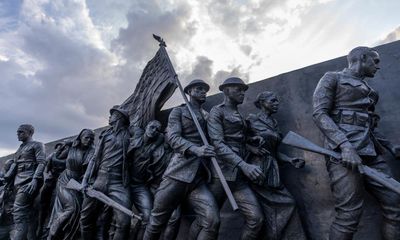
[[395, 151], [31, 188], [350, 157], [203, 151], [257, 139], [297, 162], [259, 151], [253, 172]]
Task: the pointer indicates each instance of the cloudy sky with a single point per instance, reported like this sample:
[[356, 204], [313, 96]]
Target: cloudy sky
[[64, 63]]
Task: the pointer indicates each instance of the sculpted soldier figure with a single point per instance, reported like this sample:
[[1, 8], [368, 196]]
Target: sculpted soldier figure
[[277, 203], [109, 170], [64, 220], [27, 170], [6, 203], [227, 131], [343, 110], [54, 167], [150, 157], [186, 175]]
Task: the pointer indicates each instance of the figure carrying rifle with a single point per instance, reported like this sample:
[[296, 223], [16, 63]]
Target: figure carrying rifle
[[109, 170], [344, 107], [188, 171], [227, 131]]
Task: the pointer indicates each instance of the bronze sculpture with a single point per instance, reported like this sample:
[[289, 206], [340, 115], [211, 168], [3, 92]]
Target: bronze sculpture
[[64, 220], [27, 171], [344, 104], [108, 172], [186, 175], [150, 157], [54, 167], [278, 205], [6, 202], [227, 131]]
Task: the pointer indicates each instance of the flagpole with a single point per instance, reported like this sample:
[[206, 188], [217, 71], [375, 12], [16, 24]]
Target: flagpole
[[217, 168]]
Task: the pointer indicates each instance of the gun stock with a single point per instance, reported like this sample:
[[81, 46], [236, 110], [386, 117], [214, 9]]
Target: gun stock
[[295, 140], [74, 185]]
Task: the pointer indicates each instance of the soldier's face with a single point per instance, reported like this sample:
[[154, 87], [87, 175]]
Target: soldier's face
[[235, 93], [371, 64], [23, 134], [199, 93], [271, 104], [87, 139], [114, 117], [152, 129]]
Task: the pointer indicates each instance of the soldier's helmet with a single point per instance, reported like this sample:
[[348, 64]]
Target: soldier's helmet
[[232, 81], [194, 83], [123, 112]]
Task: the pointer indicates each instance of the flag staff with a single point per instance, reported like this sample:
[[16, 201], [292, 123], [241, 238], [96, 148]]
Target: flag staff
[[217, 168]]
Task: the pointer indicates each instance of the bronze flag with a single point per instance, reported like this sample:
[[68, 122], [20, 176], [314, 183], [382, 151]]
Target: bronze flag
[[155, 87]]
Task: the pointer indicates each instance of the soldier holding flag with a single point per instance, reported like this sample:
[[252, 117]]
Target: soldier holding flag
[[186, 176]]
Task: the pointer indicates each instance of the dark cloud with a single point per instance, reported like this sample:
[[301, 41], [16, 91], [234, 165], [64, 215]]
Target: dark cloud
[[203, 68], [148, 17], [246, 49]]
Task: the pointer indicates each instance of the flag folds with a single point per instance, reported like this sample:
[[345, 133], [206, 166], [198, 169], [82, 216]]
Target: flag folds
[[155, 87]]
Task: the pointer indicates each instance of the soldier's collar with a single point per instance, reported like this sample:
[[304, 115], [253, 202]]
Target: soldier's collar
[[349, 73]]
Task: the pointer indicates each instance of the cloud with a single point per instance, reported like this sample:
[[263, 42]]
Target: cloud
[[64, 63], [391, 37], [148, 17], [203, 68], [57, 73], [61, 73]]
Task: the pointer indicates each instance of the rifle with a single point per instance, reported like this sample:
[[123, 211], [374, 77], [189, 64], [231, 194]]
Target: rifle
[[74, 185], [217, 168], [295, 140]]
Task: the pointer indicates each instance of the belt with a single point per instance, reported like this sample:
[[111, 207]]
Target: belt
[[111, 170], [22, 161], [26, 167], [352, 117]]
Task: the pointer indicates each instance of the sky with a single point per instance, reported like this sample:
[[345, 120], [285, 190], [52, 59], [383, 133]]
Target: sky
[[64, 63]]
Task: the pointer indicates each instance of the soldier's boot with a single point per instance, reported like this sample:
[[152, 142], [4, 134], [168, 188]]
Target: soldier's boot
[[20, 231], [338, 235]]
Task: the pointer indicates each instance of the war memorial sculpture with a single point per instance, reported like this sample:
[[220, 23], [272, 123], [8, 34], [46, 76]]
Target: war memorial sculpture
[[141, 181]]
